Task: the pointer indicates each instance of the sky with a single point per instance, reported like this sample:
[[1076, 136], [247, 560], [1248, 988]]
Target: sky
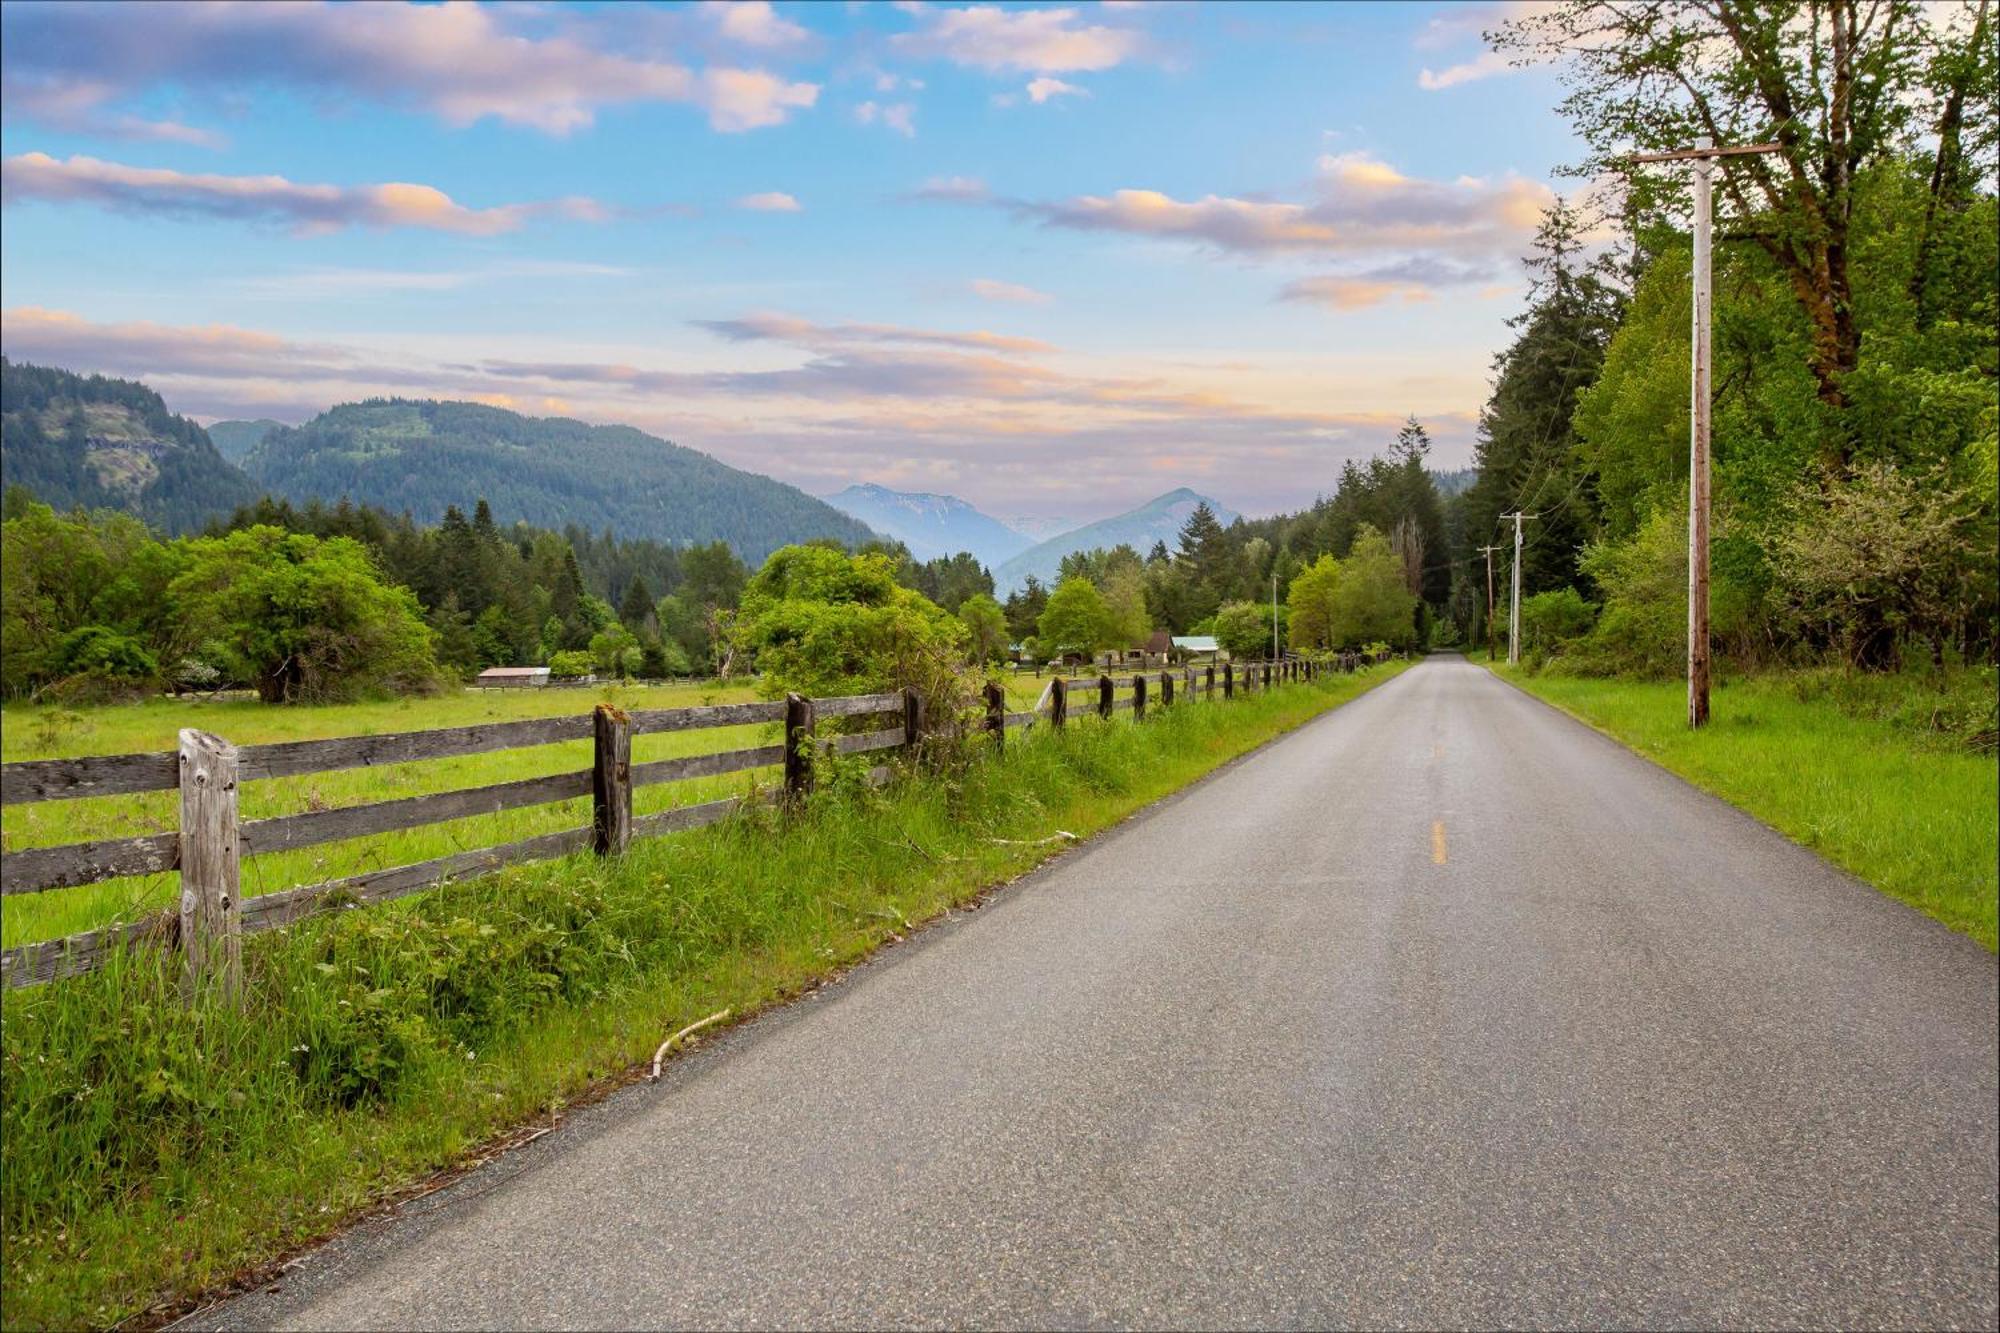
[[1055, 260]]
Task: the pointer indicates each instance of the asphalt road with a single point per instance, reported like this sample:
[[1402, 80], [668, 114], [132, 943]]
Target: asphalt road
[[1441, 1011]]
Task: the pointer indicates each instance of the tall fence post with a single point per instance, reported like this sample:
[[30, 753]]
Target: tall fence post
[[1228, 680], [211, 865], [798, 746], [1166, 688], [1106, 687], [1139, 697], [611, 781], [1058, 702], [996, 715], [1210, 690]]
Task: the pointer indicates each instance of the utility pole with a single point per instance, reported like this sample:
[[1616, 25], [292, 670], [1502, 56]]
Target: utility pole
[[1491, 637], [1702, 156], [1514, 609], [1274, 615]]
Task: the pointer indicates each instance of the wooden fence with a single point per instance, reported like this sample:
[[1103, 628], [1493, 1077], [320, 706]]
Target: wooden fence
[[211, 917]]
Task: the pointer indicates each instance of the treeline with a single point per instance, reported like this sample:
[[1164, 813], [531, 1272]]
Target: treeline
[[321, 601]]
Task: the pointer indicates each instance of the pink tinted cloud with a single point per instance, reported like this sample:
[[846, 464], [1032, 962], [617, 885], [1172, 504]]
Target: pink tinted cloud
[[305, 208]]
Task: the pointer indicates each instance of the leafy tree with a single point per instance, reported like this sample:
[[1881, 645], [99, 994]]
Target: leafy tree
[[569, 665], [985, 628], [1076, 620], [1243, 630], [1370, 602], [615, 651], [300, 619], [1312, 604], [822, 622], [1551, 619]]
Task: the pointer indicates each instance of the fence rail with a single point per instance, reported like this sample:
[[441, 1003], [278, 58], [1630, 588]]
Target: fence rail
[[211, 915]]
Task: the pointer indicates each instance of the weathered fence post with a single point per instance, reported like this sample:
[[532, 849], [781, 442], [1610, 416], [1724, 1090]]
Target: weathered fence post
[[1166, 688], [798, 746], [996, 715], [1210, 690], [211, 864], [1228, 680], [1106, 687], [1139, 697], [913, 717], [1058, 702], [611, 781]]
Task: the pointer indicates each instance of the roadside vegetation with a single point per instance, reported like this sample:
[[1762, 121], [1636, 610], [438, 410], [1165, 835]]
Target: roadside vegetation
[[1884, 776], [153, 1151]]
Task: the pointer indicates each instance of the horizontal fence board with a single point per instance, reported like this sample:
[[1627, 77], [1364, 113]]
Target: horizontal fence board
[[1118, 705], [687, 817], [649, 721], [89, 775], [292, 758], [706, 765], [269, 911], [287, 832], [864, 741], [856, 704], [39, 868], [33, 964], [1027, 719]]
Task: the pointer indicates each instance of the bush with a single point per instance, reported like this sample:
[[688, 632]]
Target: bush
[[572, 665], [822, 622], [1642, 627], [1552, 620], [98, 651]]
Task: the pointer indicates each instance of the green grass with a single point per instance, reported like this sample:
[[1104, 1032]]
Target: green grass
[[1864, 773], [152, 1151]]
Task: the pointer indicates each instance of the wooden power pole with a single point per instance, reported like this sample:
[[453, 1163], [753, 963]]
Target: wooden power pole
[[1514, 606], [1492, 638], [1703, 156]]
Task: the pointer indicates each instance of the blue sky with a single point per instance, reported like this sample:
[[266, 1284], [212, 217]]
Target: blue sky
[[1053, 259]]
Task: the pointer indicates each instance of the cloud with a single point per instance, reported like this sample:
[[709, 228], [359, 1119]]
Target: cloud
[[1483, 66], [1042, 89], [335, 283], [307, 209], [753, 23], [773, 327], [889, 83], [459, 61], [953, 189], [897, 116], [990, 289], [1361, 205], [76, 108], [1027, 41], [770, 201], [1341, 293]]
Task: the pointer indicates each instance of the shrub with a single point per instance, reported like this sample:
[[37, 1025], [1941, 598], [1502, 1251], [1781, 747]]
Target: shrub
[[99, 651], [571, 665], [822, 622], [1551, 620]]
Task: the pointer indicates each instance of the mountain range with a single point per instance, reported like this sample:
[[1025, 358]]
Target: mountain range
[[96, 442], [930, 525], [1158, 520]]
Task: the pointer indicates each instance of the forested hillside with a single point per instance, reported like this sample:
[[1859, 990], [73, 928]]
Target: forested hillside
[[425, 456], [235, 439], [96, 442]]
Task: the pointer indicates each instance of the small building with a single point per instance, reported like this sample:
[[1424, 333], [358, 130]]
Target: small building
[[512, 677], [1187, 646]]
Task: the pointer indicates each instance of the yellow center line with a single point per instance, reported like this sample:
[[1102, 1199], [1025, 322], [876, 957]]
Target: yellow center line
[[1437, 843]]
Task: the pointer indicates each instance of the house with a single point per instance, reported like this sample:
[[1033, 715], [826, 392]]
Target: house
[[1195, 645], [512, 677]]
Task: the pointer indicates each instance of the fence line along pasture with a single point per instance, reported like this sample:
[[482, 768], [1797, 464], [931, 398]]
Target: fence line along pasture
[[212, 916]]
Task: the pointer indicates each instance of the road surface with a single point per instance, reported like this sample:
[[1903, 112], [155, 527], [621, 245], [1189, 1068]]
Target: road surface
[[1443, 1010]]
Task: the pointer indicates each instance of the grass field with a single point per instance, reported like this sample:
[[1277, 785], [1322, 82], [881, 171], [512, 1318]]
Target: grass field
[[1911, 813], [152, 1150]]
